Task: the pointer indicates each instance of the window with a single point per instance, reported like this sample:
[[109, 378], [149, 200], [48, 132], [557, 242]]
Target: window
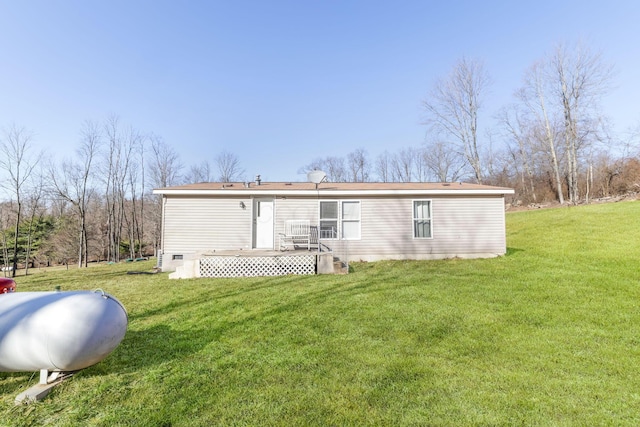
[[422, 218], [351, 220], [328, 220], [340, 220]]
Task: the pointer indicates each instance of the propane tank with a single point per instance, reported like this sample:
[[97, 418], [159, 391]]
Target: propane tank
[[58, 331]]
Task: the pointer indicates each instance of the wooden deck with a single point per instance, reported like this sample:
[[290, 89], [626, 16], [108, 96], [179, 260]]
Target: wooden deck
[[252, 263], [260, 252]]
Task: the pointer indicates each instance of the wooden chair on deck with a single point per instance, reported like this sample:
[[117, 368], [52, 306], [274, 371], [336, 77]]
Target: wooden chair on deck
[[296, 232]]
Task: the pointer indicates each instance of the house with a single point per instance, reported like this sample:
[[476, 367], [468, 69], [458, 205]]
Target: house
[[352, 221]]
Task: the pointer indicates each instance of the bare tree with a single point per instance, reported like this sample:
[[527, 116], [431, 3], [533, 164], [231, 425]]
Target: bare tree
[[6, 219], [452, 109], [333, 166], [630, 146], [443, 163], [229, 168], [421, 172], [164, 170], [134, 204], [581, 77], [560, 102], [72, 182], [359, 165], [315, 165], [35, 212], [118, 167], [533, 96], [383, 167], [165, 166], [198, 173], [19, 164], [402, 164], [519, 133], [335, 169]]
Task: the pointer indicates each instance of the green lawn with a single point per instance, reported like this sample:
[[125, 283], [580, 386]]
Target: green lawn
[[547, 335]]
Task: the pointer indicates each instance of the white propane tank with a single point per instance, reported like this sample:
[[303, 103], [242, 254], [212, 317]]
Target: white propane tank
[[58, 331]]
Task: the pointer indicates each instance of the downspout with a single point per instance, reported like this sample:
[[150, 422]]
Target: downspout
[[162, 231], [252, 222], [318, 216]]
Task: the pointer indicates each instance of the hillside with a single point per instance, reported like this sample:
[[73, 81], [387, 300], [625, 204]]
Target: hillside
[[546, 335]]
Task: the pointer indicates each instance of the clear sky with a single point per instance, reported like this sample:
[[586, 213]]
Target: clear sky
[[280, 83]]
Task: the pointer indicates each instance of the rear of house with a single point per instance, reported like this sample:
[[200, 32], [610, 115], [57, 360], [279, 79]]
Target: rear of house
[[354, 221]]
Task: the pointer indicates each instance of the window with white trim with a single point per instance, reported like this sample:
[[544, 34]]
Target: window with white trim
[[329, 220], [340, 220], [422, 219], [350, 220]]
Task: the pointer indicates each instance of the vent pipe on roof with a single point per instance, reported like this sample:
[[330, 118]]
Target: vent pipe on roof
[[258, 180]]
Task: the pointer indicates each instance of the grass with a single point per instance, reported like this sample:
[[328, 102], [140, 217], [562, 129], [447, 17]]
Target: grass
[[547, 335]]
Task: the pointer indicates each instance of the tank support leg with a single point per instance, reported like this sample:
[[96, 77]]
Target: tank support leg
[[40, 390]]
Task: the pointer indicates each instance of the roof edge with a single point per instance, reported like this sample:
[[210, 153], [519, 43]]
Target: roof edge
[[321, 192]]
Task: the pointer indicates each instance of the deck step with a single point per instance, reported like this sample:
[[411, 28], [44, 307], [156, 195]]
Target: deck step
[[339, 267]]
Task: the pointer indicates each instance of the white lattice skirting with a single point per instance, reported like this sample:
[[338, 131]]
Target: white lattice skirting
[[242, 266]]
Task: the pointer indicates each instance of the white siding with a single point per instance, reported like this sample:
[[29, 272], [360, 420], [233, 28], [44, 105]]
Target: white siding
[[204, 224], [463, 227], [295, 208]]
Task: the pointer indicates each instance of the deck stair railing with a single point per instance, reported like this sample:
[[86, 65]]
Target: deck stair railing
[[339, 247]]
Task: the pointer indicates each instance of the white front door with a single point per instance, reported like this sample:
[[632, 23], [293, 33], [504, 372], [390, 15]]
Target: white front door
[[263, 220]]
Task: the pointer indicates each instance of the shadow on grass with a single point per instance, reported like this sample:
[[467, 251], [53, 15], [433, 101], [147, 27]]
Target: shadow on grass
[[513, 251], [155, 341], [161, 343], [155, 337], [150, 347], [75, 280], [139, 351], [168, 345], [218, 292]]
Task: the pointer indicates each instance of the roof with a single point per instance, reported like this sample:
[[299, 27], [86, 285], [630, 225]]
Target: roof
[[331, 189]]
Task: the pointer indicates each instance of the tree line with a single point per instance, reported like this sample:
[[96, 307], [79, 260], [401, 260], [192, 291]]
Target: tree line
[[97, 203], [552, 143]]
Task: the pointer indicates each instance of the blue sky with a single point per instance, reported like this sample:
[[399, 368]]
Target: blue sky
[[280, 83]]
